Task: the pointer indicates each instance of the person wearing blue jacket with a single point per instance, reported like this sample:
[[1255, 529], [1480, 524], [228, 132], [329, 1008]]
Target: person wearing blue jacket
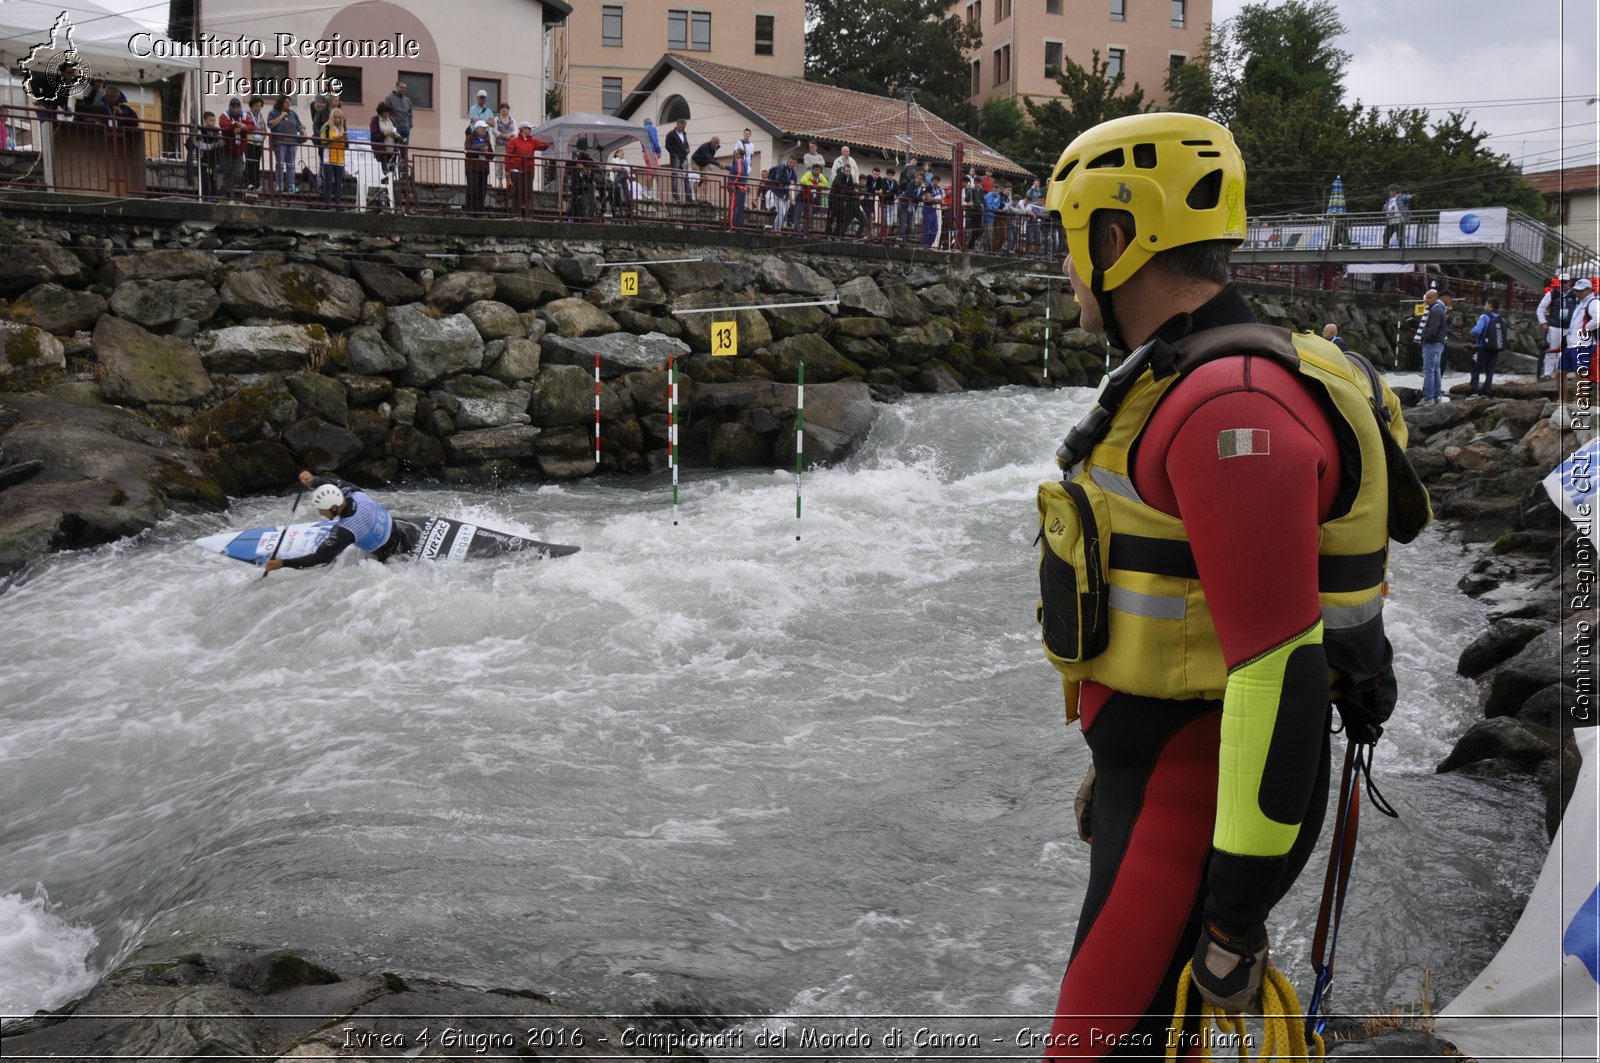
[[360, 521], [652, 155], [1489, 339], [994, 201]]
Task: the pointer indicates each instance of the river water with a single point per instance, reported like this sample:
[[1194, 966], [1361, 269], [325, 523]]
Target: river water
[[705, 764]]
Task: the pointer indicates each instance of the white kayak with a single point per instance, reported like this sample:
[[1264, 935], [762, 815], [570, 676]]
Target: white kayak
[[437, 539]]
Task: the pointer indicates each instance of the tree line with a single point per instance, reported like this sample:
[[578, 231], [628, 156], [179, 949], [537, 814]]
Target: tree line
[[1273, 74]]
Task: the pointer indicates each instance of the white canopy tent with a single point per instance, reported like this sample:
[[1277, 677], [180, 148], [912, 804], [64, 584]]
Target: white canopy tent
[[101, 37], [602, 131]]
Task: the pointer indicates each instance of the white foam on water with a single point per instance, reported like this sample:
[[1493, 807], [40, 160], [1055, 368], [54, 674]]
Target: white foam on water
[[46, 957]]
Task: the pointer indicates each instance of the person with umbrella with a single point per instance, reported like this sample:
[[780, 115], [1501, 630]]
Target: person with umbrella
[[1336, 214]]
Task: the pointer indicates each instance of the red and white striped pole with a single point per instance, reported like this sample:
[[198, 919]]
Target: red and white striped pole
[[672, 432], [597, 408], [799, 442]]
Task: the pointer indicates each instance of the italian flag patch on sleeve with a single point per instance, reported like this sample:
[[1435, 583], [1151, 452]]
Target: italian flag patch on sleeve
[[1238, 442]]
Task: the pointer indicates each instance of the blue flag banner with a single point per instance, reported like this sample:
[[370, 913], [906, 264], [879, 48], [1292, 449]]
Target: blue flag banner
[[1572, 487]]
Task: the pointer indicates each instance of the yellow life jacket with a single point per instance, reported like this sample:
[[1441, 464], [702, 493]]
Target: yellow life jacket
[[1121, 601]]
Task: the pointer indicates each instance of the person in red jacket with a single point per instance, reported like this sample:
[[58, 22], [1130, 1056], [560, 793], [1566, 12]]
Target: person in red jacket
[[237, 128], [520, 165], [1221, 468]]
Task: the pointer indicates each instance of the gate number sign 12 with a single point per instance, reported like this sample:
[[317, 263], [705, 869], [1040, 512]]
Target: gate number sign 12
[[630, 283]]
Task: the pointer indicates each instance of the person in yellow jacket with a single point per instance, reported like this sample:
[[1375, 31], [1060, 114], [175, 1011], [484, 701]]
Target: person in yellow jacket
[[813, 186], [1211, 580], [334, 141]]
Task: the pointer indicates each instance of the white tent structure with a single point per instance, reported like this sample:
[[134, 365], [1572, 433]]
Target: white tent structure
[[601, 130], [102, 38]]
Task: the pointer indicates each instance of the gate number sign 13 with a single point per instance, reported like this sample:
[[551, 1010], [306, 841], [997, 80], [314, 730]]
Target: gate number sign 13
[[630, 283], [724, 339]]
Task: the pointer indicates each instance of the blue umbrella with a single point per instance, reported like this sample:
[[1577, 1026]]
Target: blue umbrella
[[1336, 197]]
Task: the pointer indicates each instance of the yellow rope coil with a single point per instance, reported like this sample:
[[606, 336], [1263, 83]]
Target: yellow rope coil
[[1285, 1026]]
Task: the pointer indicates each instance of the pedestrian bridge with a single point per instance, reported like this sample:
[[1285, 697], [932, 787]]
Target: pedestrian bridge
[[1529, 251]]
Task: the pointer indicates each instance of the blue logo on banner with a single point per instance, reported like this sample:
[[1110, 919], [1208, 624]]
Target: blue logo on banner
[[1470, 223], [1582, 938]]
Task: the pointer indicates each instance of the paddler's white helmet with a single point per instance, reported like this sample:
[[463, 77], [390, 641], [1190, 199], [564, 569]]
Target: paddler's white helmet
[[327, 497]]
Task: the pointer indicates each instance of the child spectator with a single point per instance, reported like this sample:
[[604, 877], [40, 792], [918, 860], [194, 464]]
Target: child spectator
[[205, 146]]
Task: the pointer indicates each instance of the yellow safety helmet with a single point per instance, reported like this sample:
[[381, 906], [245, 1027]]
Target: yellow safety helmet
[[1180, 175]]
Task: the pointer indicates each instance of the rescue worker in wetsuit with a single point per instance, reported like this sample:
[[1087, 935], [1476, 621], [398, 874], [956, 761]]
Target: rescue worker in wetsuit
[[361, 522], [1232, 485]]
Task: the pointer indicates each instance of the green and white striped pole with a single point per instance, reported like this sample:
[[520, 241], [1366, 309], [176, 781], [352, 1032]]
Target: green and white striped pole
[[799, 444]]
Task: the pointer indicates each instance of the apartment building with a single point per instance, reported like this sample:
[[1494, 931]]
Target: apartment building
[[1024, 41], [605, 49]]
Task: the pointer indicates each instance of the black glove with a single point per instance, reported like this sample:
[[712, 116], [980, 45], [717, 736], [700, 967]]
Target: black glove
[[1229, 964], [1365, 707], [1083, 805]]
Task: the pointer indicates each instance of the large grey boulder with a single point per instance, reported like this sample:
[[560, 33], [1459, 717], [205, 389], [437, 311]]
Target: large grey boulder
[[369, 354], [580, 270], [838, 419], [753, 330], [103, 474], [650, 294], [619, 352], [432, 347], [1500, 746], [564, 395], [261, 348], [494, 320], [454, 291], [154, 303], [322, 446], [681, 277], [1544, 661], [385, 283], [518, 360], [863, 294], [577, 317], [143, 369], [293, 292], [489, 444], [28, 350], [481, 402], [320, 396], [164, 265], [32, 262], [821, 360], [256, 412], [788, 275], [528, 288], [565, 453], [57, 310]]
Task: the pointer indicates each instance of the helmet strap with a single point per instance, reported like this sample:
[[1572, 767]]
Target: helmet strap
[[1108, 314]]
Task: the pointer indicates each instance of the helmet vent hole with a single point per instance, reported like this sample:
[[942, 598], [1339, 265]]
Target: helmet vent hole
[[1195, 143], [1144, 156], [1111, 159], [1206, 193], [1061, 175], [1209, 154]]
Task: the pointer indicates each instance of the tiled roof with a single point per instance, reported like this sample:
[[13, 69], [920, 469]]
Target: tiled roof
[[1574, 181], [794, 109]]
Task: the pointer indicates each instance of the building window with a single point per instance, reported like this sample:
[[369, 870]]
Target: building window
[[689, 30], [1119, 10], [1002, 65], [1052, 7], [349, 79], [1176, 59], [1052, 58], [975, 15], [977, 77], [1178, 13], [1114, 61], [611, 26], [674, 108], [419, 87], [489, 85], [1002, 10], [265, 71], [610, 95], [764, 34]]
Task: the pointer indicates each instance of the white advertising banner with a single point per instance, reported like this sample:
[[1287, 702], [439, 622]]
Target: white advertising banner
[[1484, 225]]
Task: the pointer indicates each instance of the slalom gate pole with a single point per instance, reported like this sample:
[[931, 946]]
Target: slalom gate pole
[[672, 432], [1049, 297], [597, 409], [799, 444]]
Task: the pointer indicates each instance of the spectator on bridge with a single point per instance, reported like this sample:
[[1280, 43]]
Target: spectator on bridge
[[738, 187], [705, 160], [205, 147], [118, 111], [1396, 212], [652, 154], [932, 208], [505, 127], [1330, 332], [813, 156], [781, 181], [334, 138], [236, 125], [287, 133], [520, 165], [479, 146], [385, 139], [255, 142], [400, 111], [480, 111], [678, 156], [813, 184], [749, 147]]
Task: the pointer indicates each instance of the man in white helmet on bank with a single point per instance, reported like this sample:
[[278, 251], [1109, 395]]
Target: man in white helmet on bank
[[1211, 586], [360, 522]]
